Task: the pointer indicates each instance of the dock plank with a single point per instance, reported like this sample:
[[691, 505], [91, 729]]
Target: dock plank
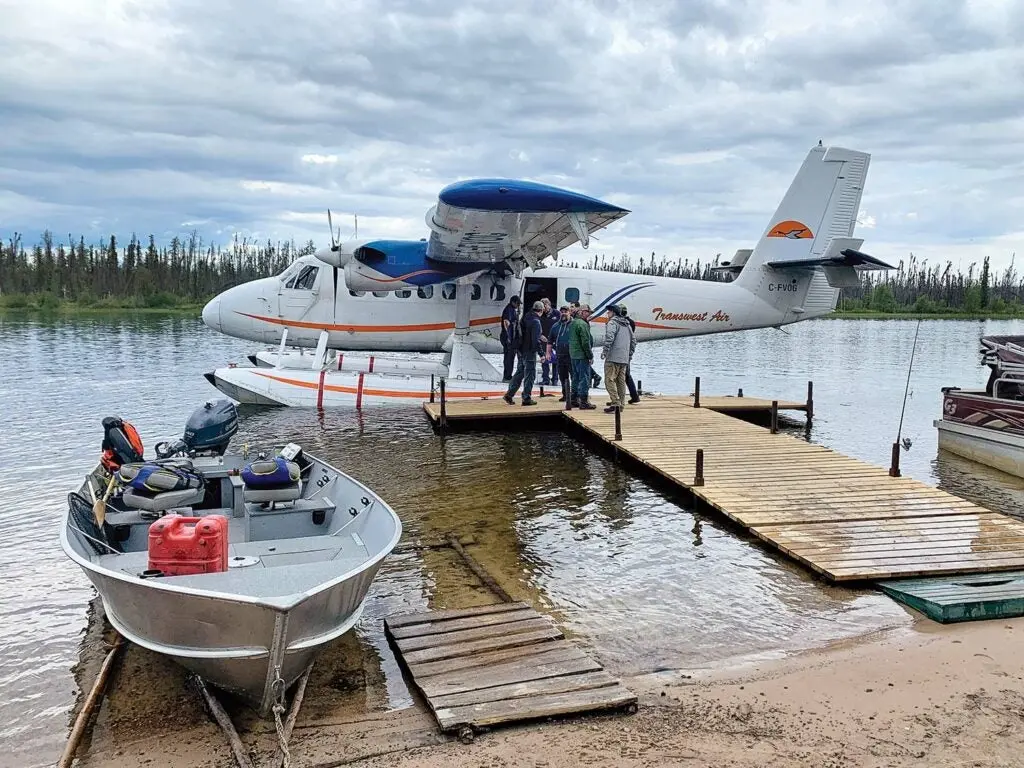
[[478, 668], [843, 518]]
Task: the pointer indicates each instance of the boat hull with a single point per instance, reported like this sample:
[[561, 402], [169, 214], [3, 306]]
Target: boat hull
[[983, 429], [297, 579], [229, 643]]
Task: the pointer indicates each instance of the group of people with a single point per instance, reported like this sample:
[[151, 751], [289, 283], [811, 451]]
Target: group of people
[[564, 343]]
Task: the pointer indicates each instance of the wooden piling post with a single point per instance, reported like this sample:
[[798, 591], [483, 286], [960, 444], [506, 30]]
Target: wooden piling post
[[444, 411], [696, 392], [431, 387], [698, 475], [618, 423], [894, 467], [775, 416], [740, 393], [639, 386], [810, 401]]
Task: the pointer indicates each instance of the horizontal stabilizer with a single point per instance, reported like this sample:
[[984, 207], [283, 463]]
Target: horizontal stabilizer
[[736, 265], [840, 252]]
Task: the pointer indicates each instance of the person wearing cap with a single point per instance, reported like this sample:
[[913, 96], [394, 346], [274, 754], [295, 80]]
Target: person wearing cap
[[619, 345], [526, 362], [581, 353], [510, 335], [558, 351], [634, 396]]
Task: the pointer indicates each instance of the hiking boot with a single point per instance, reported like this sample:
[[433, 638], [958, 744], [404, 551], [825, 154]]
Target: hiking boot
[[531, 401], [508, 399], [597, 381], [586, 405], [633, 400], [611, 409]]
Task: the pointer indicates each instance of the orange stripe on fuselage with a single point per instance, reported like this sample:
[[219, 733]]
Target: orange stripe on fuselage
[[646, 325], [370, 328], [374, 392]]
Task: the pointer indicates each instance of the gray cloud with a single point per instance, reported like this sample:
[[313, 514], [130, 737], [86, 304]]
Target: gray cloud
[[253, 117]]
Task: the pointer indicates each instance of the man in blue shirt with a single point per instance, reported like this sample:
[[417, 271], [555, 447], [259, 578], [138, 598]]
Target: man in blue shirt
[[531, 347], [558, 349]]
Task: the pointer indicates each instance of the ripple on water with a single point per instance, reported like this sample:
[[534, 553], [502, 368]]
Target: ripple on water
[[612, 559]]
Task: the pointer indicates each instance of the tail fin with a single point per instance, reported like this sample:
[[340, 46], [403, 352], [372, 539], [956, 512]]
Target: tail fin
[[821, 205]]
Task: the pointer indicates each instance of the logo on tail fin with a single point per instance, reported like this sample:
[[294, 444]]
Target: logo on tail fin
[[792, 230]]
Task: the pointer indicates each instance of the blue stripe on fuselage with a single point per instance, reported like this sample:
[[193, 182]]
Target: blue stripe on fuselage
[[617, 296]]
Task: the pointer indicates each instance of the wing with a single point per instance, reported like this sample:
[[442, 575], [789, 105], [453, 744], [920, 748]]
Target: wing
[[494, 220]]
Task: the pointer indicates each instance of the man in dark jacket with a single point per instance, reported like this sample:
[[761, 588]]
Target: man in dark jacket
[[548, 373], [526, 363], [510, 337]]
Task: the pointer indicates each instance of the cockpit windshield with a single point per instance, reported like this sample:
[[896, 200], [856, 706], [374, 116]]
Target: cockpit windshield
[[289, 273], [304, 280]]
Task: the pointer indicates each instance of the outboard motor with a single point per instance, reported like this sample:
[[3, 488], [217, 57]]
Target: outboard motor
[[207, 432]]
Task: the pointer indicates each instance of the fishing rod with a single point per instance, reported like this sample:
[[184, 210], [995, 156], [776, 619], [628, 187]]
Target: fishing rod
[[894, 469]]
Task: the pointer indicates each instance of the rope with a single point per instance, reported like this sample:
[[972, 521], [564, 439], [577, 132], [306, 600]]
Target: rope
[[279, 709]]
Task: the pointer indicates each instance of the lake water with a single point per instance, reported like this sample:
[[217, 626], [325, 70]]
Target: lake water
[[610, 558]]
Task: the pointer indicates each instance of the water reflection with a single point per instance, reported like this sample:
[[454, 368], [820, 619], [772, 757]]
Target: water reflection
[[616, 561]]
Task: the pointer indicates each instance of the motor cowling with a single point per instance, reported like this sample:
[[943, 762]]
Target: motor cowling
[[210, 428]]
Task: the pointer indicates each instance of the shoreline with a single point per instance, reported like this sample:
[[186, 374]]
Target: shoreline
[[949, 694]]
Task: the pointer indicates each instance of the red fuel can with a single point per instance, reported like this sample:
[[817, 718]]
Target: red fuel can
[[181, 546]]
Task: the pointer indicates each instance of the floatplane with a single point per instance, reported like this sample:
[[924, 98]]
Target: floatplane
[[490, 239]]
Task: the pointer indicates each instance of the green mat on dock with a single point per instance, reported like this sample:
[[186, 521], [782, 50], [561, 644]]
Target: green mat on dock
[[962, 598]]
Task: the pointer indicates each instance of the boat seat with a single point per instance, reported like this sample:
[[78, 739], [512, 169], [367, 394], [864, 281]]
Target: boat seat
[[271, 480], [162, 502], [158, 487]]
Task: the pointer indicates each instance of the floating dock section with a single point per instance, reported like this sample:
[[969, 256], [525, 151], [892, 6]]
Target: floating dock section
[[497, 664], [843, 518]]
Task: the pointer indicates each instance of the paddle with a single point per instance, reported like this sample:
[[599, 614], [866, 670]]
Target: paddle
[[99, 507]]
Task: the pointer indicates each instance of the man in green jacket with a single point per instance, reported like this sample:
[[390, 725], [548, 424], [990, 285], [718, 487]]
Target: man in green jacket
[[581, 353]]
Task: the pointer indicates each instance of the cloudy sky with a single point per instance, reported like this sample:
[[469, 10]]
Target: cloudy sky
[[162, 116]]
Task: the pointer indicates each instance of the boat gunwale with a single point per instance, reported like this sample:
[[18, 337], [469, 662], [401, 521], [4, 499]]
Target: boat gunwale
[[281, 603]]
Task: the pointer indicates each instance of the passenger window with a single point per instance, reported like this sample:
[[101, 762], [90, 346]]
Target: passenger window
[[448, 291], [498, 292], [405, 293], [291, 282], [572, 294], [425, 292], [306, 278], [356, 293], [381, 294], [476, 292]]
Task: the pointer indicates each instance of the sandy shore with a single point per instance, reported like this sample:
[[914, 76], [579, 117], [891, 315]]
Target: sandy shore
[[929, 695]]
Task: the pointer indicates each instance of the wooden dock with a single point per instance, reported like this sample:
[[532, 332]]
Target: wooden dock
[[494, 409], [843, 518], [497, 664]]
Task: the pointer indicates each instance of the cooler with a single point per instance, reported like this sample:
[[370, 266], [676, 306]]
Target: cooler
[[180, 546]]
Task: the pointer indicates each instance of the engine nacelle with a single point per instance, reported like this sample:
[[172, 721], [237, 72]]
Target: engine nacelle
[[394, 265]]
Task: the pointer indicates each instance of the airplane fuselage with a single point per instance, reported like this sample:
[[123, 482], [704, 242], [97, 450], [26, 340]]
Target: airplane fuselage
[[422, 319]]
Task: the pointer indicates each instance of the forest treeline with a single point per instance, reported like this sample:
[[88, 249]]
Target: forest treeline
[[915, 286], [187, 271]]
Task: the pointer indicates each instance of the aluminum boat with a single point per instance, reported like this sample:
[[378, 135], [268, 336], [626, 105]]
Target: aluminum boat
[[300, 543]]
